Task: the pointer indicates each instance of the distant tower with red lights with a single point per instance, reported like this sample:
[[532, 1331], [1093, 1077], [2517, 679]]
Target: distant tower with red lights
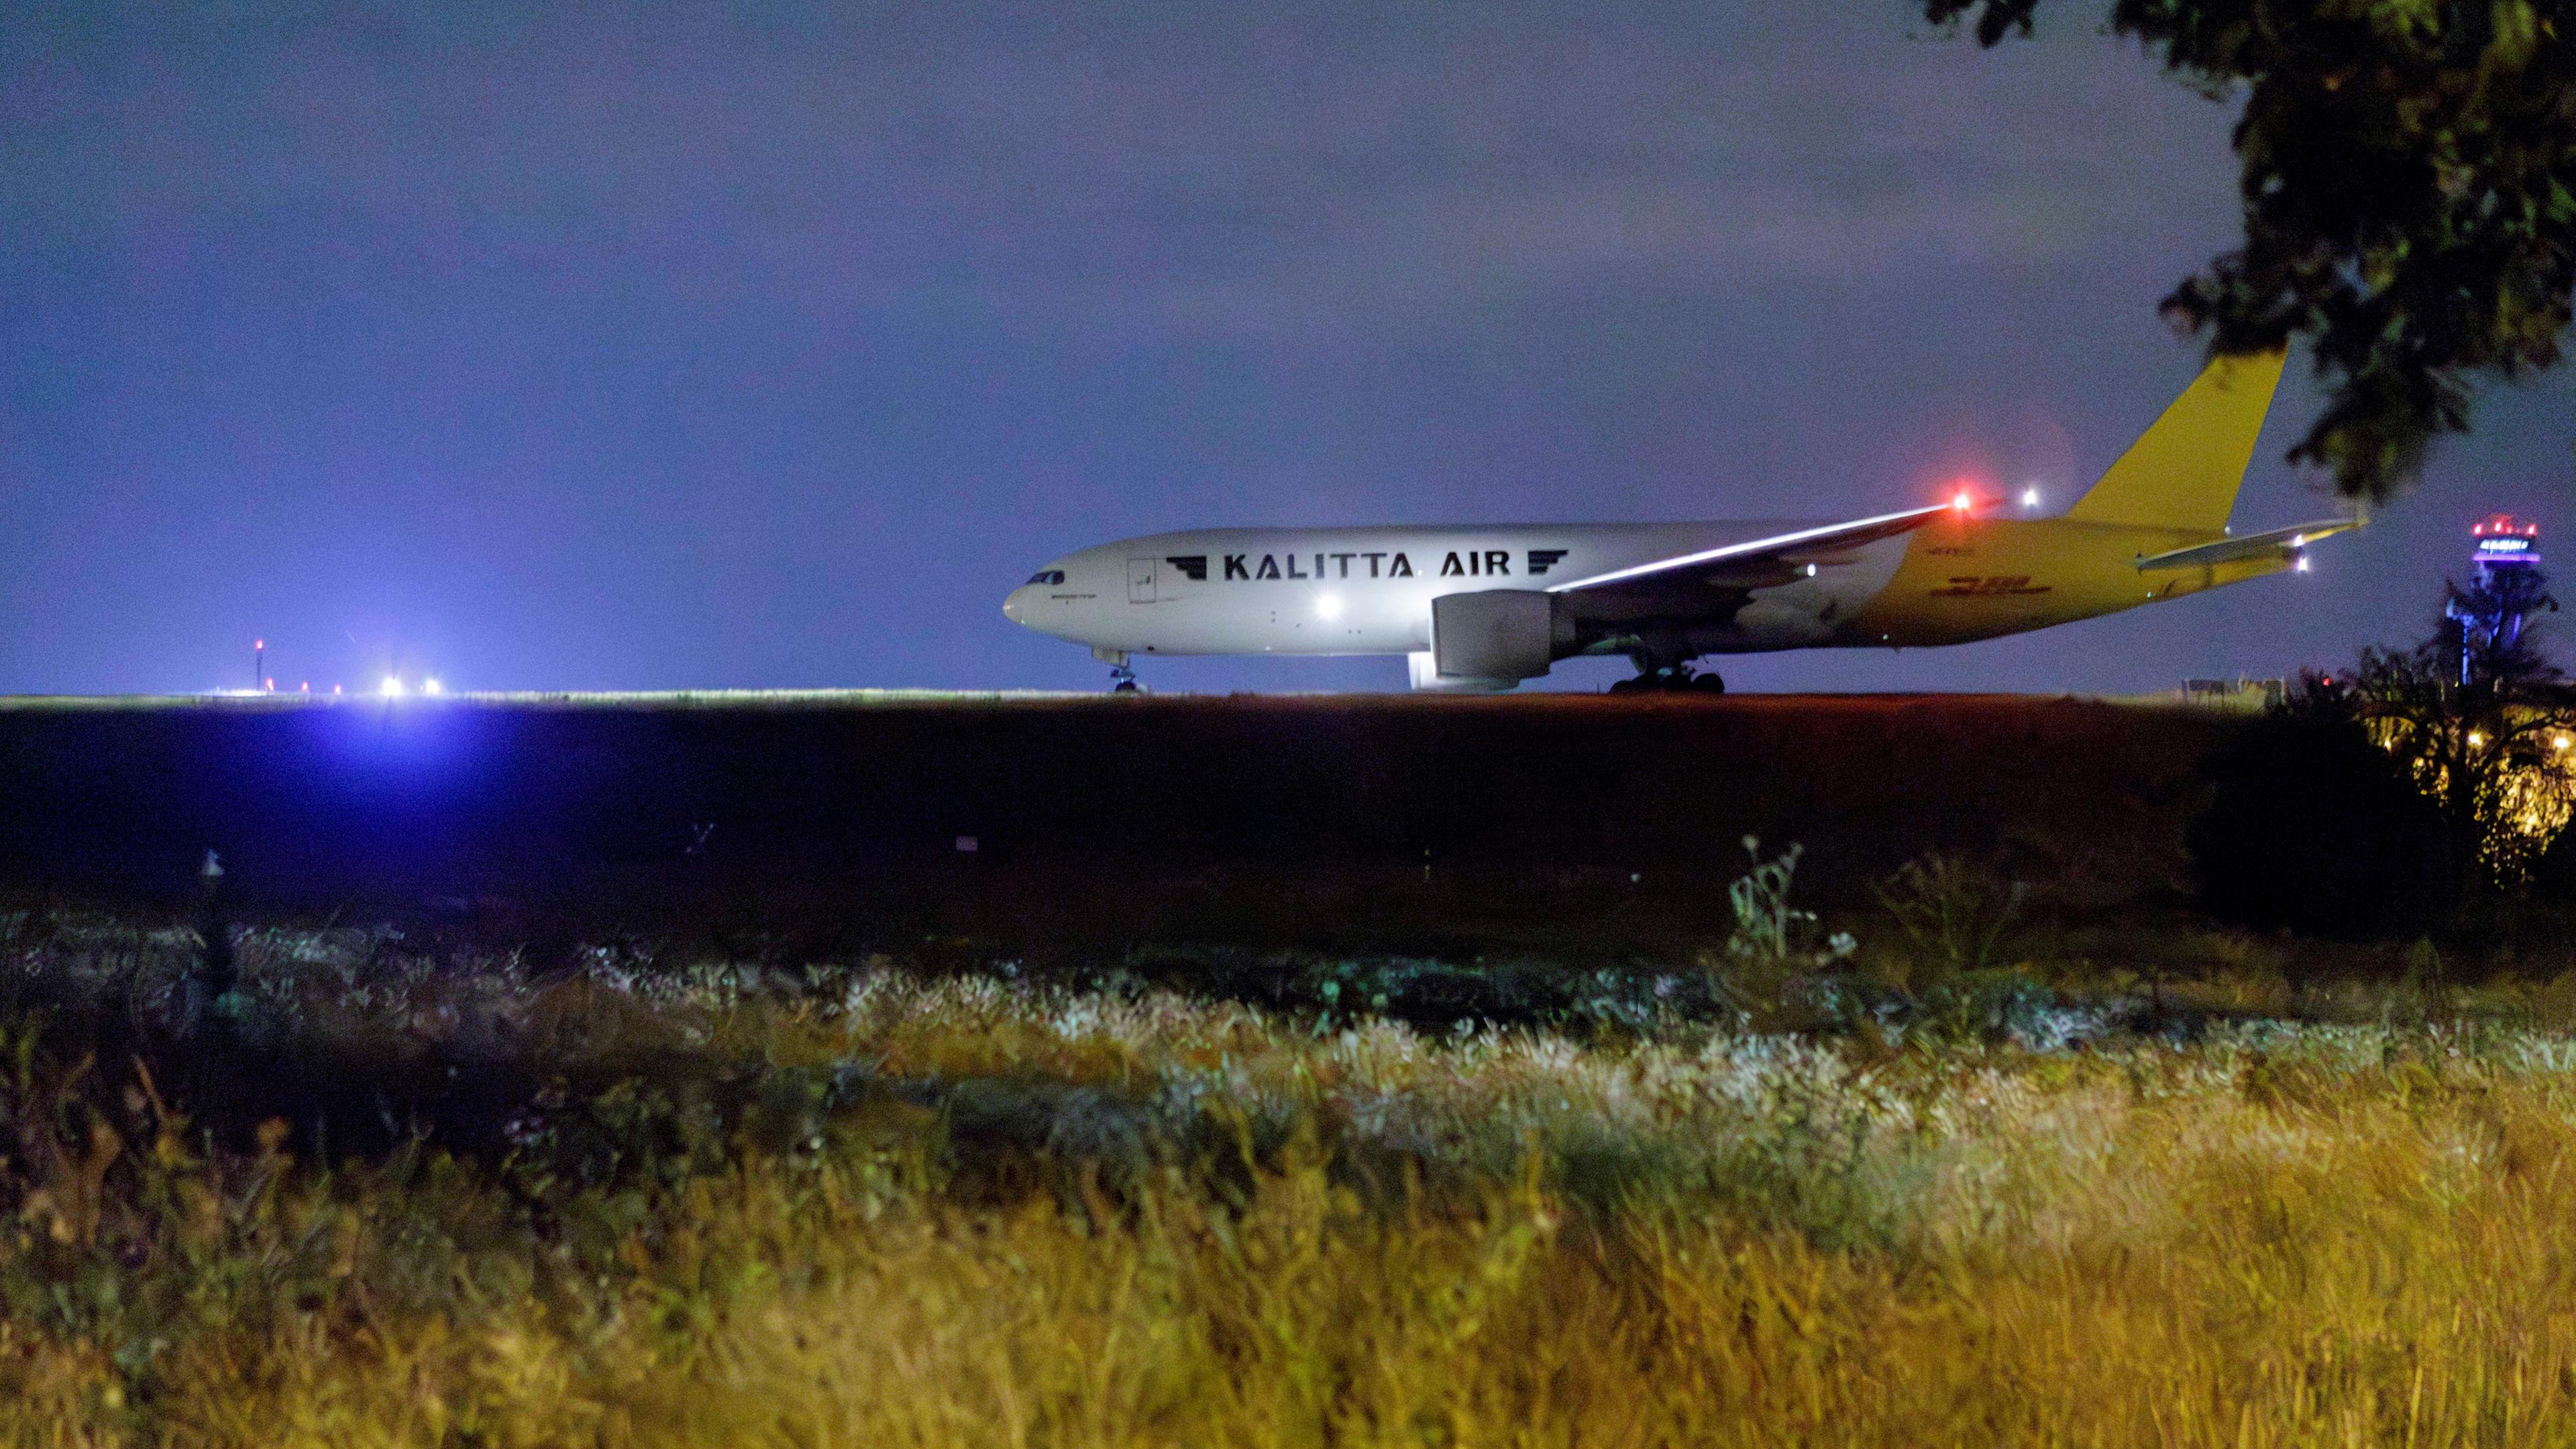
[[2504, 541], [2506, 589]]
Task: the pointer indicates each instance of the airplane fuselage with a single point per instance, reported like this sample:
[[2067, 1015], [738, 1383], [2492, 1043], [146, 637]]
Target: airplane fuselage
[[1370, 590], [1480, 608]]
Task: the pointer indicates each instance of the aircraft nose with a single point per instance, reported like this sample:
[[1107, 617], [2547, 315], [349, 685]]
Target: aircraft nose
[[1015, 604]]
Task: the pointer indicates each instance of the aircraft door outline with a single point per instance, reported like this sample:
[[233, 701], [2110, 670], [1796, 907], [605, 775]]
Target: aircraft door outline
[[1140, 580]]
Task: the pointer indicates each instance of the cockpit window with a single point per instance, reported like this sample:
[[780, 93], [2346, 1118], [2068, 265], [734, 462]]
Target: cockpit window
[[1047, 576]]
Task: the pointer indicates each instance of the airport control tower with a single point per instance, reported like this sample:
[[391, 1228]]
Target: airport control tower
[[2506, 588]]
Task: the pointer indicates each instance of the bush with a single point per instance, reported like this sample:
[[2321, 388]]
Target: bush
[[2311, 826], [1955, 910], [1771, 969]]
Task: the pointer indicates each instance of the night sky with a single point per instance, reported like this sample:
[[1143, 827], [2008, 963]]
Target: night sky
[[666, 347]]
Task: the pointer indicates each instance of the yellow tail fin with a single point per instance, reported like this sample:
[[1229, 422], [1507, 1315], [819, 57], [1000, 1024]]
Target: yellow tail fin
[[2184, 471]]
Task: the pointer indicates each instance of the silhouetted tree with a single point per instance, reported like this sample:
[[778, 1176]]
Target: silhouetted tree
[[2383, 798], [2409, 185], [2489, 753]]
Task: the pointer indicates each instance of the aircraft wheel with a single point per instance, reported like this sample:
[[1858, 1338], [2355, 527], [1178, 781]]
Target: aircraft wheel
[[1707, 684], [1124, 686], [1627, 686]]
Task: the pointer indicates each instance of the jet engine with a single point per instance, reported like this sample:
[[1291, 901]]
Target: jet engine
[[1485, 642]]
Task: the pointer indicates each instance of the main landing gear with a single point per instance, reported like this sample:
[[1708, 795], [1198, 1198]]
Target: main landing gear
[[1670, 679]]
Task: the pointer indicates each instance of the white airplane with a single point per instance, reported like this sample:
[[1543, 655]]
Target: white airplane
[[1479, 609]]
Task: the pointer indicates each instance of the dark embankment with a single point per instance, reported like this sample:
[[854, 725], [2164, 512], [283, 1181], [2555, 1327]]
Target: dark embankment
[[1390, 823]]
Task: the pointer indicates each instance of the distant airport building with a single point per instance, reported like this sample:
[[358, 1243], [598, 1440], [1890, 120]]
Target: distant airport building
[[2234, 692]]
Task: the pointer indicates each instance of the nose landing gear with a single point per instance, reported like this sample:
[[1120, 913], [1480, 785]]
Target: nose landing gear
[[1122, 675]]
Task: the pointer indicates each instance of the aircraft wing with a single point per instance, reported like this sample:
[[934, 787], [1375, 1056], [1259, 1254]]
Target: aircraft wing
[[1756, 562], [2279, 543]]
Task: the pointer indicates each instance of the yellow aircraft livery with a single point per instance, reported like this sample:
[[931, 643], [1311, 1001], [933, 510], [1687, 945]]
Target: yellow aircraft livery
[[1482, 608]]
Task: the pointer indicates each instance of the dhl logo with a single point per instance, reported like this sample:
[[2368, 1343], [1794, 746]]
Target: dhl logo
[[1989, 586]]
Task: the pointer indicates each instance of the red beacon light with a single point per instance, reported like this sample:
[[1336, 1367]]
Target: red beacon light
[[2505, 539], [1965, 493]]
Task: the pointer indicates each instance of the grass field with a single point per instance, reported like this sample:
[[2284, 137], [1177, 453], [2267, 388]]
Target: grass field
[[376, 1199]]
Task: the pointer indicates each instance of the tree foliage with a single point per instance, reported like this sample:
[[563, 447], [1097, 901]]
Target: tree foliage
[[2409, 187], [2486, 752], [2381, 799]]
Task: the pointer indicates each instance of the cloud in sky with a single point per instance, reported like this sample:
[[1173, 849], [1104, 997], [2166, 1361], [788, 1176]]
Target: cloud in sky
[[1013, 161]]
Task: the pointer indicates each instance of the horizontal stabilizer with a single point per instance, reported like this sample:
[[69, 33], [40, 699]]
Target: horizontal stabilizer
[[2280, 542]]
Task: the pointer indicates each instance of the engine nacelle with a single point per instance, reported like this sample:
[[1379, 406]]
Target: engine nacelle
[[1491, 640], [1427, 678]]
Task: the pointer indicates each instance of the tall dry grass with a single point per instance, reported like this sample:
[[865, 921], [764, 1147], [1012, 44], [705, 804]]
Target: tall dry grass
[[873, 1210]]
